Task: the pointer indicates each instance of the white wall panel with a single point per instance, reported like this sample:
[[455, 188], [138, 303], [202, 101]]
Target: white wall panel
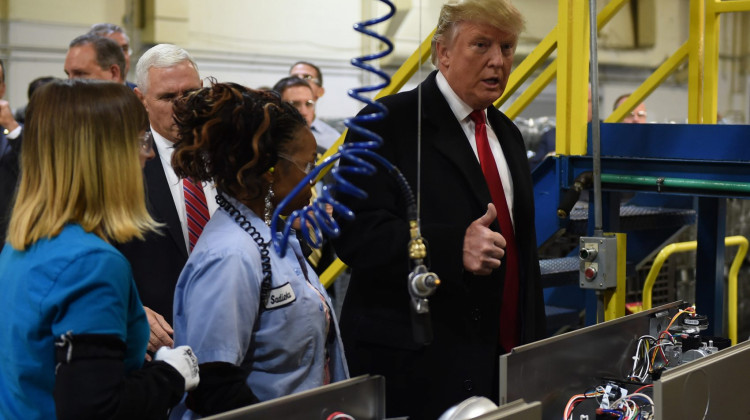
[[254, 42]]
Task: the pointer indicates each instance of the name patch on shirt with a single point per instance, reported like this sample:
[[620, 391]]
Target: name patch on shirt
[[280, 296]]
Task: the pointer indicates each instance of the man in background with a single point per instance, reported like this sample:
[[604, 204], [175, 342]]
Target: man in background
[[117, 34], [93, 57], [301, 90], [163, 74], [324, 134], [299, 94], [636, 116]]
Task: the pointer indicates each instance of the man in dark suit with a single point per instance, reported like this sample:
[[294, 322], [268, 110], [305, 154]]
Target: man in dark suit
[[480, 310], [163, 73], [10, 149]]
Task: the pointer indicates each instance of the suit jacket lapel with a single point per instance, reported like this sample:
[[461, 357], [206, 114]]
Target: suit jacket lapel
[[160, 203], [445, 133]]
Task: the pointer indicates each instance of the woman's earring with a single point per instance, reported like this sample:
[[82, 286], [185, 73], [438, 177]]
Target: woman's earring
[[268, 212]]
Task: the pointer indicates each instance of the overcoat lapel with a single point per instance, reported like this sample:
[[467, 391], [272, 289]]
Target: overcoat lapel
[[510, 148], [450, 140]]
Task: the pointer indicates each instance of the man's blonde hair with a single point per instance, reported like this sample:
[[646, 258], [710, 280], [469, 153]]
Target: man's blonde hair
[[79, 164], [498, 13]]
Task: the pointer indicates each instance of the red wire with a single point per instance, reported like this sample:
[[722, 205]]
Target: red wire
[[642, 388]]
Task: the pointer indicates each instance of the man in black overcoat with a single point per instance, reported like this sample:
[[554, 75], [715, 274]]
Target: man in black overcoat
[[473, 50]]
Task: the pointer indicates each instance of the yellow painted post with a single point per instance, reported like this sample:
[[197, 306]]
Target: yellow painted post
[[614, 300], [695, 62], [711, 63], [572, 76]]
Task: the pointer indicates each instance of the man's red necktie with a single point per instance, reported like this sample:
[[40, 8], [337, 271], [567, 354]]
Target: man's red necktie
[[509, 336], [196, 210]]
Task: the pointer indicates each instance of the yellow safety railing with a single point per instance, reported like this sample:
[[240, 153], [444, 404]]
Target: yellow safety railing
[[670, 249]]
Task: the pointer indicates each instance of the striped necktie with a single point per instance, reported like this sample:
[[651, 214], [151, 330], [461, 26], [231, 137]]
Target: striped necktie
[[509, 334], [196, 210]]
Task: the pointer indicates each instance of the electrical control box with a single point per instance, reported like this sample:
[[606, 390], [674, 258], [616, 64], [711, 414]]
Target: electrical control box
[[598, 268]]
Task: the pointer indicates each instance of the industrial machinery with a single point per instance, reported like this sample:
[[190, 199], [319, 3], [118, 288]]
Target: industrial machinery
[[638, 365], [361, 398]]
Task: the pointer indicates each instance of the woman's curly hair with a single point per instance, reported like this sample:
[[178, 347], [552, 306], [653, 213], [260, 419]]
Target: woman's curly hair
[[231, 135]]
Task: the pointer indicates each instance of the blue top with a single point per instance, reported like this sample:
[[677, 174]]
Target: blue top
[[216, 311], [73, 282]]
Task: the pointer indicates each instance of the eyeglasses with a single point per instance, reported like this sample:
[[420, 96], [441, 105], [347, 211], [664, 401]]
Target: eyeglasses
[[639, 114], [299, 104], [309, 166], [146, 142], [308, 77]]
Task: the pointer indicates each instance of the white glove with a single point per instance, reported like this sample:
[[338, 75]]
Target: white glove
[[183, 359]]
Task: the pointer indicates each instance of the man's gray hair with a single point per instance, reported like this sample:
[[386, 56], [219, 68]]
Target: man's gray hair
[[107, 51], [104, 29], [160, 56]]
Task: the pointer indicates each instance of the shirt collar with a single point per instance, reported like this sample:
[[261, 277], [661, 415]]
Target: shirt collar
[[314, 126], [459, 107], [164, 146]]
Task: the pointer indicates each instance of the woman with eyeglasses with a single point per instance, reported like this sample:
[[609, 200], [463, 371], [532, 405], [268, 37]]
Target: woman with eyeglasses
[[74, 330], [263, 323]]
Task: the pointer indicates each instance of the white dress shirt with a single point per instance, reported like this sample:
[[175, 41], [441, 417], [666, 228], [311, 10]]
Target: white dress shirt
[[462, 111], [165, 149]]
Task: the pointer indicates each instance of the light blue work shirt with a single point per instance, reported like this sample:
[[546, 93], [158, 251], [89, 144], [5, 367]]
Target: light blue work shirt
[[216, 311], [325, 135]]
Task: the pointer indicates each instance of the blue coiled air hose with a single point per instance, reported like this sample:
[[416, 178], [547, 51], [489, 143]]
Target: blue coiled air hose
[[319, 223]]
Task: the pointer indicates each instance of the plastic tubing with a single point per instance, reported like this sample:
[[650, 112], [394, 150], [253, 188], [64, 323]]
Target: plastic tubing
[[314, 216]]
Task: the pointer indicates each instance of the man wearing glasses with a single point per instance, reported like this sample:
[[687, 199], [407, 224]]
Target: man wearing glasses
[[299, 93], [637, 116], [301, 89], [324, 134]]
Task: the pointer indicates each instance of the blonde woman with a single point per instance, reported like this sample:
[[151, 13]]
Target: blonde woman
[[75, 332]]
